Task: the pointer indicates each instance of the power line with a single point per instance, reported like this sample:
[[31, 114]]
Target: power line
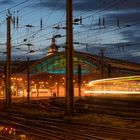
[[14, 6]]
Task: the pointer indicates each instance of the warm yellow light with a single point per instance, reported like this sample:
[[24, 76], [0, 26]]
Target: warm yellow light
[[111, 92], [118, 78], [63, 78], [20, 79], [120, 85]]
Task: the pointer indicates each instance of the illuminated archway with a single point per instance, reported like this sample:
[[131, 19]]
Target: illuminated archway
[[56, 64]]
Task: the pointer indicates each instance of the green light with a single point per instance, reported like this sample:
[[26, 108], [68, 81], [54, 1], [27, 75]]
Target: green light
[[57, 65]]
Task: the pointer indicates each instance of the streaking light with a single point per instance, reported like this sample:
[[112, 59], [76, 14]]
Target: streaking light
[[118, 78], [111, 92], [119, 85]]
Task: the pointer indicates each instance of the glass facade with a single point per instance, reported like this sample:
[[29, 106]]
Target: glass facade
[[56, 64]]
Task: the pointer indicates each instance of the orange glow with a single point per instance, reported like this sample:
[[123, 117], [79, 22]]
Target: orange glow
[[119, 85], [112, 92]]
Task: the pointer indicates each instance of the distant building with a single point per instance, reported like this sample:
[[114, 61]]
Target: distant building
[[48, 74], [53, 48]]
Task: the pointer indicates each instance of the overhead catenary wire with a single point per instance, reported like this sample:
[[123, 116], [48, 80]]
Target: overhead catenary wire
[[46, 33], [5, 10]]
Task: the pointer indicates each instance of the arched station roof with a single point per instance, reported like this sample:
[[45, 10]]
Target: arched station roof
[[56, 64], [91, 66]]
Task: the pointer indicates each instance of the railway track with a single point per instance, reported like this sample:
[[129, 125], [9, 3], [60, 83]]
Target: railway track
[[47, 106], [7, 138], [56, 129], [116, 111], [128, 114], [46, 130]]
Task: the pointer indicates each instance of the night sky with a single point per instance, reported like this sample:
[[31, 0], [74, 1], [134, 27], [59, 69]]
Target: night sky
[[109, 25]]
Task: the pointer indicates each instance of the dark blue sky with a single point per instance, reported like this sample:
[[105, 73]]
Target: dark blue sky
[[118, 32]]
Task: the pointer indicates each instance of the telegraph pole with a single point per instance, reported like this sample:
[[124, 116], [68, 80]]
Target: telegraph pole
[[79, 79], [28, 79], [8, 64], [69, 58]]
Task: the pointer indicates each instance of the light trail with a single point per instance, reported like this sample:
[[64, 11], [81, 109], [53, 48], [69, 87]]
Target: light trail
[[112, 92], [119, 85], [128, 78]]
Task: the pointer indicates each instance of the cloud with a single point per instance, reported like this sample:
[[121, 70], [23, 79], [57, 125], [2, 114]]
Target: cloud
[[51, 4], [136, 54], [128, 12], [128, 53], [84, 5], [77, 4], [5, 2], [131, 35]]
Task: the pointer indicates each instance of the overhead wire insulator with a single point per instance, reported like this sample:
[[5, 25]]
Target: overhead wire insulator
[[29, 26], [57, 27], [17, 22], [25, 40], [14, 21], [118, 22], [127, 25], [118, 47], [75, 23], [64, 27], [57, 36], [99, 23], [76, 43], [9, 13], [41, 24], [76, 20]]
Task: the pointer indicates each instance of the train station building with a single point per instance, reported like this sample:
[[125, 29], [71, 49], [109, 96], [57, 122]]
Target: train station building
[[48, 75]]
